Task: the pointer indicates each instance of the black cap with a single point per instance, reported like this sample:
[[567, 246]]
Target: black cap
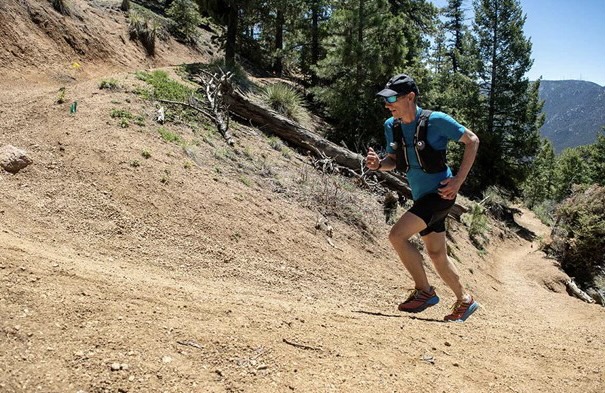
[[399, 85]]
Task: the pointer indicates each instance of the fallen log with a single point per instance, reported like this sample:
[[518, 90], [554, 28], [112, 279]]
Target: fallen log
[[289, 130], [573, 289]]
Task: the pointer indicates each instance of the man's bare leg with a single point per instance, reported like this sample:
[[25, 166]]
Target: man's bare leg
[[408, 225], [436, 247]]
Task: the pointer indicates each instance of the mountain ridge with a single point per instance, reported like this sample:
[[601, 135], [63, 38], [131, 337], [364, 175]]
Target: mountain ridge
[[574, 112]]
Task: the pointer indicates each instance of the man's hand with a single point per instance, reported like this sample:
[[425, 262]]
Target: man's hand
[[372, 160], [449, 187]]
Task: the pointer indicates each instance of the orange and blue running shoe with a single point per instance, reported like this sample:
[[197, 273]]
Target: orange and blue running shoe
[[418, 300], [462, 310]]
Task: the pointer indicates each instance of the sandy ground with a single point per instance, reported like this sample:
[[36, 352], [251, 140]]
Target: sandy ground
[[113, 280], [199, 269]]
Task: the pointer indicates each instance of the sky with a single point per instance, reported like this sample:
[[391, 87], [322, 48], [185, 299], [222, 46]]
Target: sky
[[568, 38]]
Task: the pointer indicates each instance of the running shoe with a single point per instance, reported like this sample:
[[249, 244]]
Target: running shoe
[[462, 310], [418, 300]]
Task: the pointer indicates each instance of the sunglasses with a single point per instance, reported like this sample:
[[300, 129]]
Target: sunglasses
[[391, 99]]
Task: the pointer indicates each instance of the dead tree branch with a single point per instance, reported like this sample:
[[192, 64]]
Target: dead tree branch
[[196, 108], [223, 98], [214, 88], [297, 345], [574, 290]]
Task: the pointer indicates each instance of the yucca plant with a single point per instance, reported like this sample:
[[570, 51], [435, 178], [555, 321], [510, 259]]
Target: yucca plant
[[136, 24], [286, 101], [61, 6], [144, 29]]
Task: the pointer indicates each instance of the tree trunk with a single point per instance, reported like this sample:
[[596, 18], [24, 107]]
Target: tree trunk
[[492, 88], [360, 62], [231, 35], [279, 42], [314, 41], [301, 137]]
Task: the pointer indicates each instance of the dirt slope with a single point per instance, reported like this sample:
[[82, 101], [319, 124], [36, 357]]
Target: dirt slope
[[199, 269], [38, 44]]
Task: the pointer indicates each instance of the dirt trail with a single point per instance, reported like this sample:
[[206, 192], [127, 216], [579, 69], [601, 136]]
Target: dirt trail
[[69, 318], [112, 281]]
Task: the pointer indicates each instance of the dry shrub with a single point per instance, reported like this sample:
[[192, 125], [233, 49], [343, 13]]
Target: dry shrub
[[578, 238], [333, 195]]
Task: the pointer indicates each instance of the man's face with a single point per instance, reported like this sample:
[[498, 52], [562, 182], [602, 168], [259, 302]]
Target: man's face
[[404, 108]]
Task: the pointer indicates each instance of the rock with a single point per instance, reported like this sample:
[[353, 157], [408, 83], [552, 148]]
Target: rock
[[123, 366], [12, 159], [166, 359], [115, 367]]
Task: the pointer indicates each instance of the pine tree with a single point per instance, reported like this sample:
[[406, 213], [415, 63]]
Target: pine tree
[[186, 19], [540, 184], [227, 12], [306, 30], [454, 65], [455, 62], [275, 33], [368, 42], [509, 130], [596, 164], [572, 167]]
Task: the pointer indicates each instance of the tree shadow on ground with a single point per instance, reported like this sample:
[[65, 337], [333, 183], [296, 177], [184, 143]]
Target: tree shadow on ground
[[506, 215]]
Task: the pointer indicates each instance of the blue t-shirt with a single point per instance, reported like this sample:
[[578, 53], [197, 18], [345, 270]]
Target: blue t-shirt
[[441, 129]]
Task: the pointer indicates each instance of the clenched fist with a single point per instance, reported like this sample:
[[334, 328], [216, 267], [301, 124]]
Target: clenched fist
[[372, 160]]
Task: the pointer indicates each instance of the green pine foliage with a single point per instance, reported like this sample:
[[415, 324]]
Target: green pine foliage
[[552, 178], [186, 19], [596, 159], [571, 169], [582, 165], [454, 63], [357, 64], [540, 184], [311, 31], [511, 112]]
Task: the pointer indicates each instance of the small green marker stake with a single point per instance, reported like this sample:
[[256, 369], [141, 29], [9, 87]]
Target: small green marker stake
[[73, 107]]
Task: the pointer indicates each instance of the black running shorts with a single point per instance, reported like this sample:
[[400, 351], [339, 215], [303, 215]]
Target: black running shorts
[[433, 210]]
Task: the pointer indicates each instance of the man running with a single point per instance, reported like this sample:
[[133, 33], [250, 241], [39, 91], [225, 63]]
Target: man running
[[416, 144]]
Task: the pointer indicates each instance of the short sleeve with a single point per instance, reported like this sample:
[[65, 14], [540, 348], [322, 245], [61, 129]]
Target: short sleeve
[[446, 126], [388, 135]]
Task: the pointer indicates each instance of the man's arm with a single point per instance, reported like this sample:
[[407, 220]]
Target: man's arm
[[452, 185]]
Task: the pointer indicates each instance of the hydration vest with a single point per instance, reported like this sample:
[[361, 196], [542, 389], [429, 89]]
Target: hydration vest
[[430, 159]]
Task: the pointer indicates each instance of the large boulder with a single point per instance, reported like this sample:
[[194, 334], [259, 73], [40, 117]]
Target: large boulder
[[12, 159]]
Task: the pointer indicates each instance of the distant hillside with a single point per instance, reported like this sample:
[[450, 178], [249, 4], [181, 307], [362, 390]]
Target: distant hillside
[[575, 112]]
